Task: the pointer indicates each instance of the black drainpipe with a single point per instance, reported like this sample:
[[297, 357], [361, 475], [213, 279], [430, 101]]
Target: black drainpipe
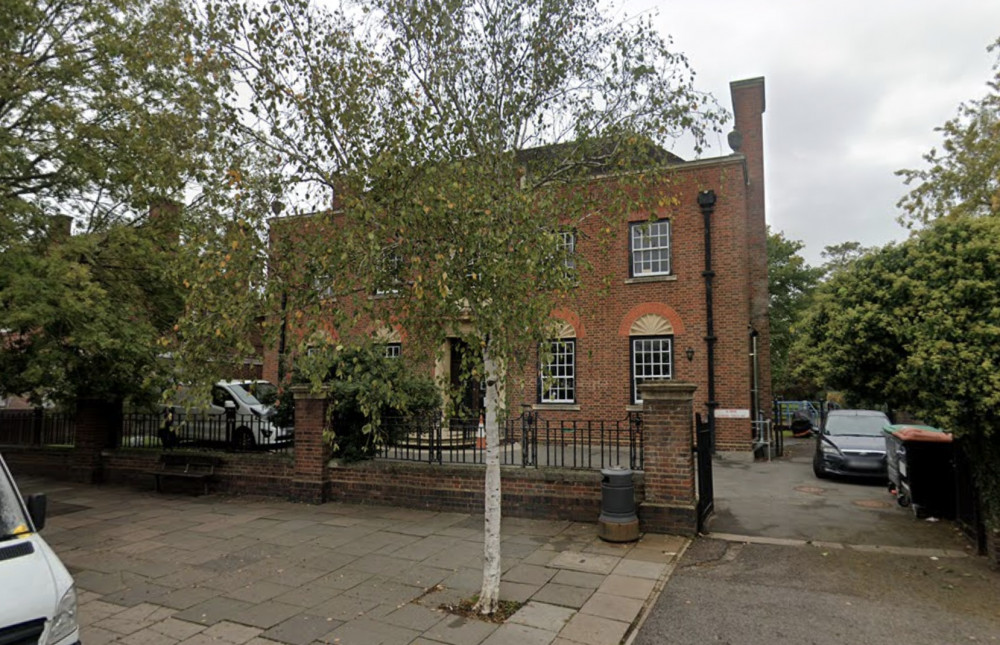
[[706, 201]]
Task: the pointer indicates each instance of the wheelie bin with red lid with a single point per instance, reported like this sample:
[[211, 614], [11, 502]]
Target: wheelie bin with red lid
[[920, 465]]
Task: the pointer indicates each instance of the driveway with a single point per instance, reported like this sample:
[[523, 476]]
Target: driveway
[[793, 559]]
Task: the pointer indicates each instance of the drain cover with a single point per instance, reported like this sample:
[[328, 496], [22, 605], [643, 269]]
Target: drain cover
[[871, 503], [812, 490]]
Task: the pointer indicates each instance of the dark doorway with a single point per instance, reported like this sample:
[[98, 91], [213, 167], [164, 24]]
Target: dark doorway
[[468, 388]]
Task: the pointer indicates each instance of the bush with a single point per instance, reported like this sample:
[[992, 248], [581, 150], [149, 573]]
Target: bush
[[365, 388]]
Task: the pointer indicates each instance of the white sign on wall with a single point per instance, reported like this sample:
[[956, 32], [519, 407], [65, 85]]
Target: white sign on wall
[[732, 413]]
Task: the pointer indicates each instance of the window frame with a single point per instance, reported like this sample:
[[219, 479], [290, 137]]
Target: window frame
[[394, 264], [664, 250], [633, 377], [544, 394], [392, 350], [567, 244]]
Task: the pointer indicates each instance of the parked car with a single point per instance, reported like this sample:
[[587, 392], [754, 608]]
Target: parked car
[[37, 595], [248, 426], [851, 444]]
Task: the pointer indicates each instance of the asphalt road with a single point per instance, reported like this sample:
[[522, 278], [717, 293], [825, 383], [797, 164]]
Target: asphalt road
[[792, 559]]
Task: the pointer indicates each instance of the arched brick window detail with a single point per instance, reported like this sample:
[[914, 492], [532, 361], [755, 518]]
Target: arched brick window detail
[[570, 318], [650, 328], [557, 376], [647, 308]]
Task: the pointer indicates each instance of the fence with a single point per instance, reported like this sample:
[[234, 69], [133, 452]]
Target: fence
[[526, 441], [768, 441], [177, 428], [36, 427]]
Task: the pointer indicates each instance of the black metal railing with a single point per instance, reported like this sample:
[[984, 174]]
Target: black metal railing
[[38, 427], [526, 441], [182, 429]]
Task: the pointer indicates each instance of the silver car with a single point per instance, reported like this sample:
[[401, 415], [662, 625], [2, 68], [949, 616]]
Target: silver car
[[851, 444]]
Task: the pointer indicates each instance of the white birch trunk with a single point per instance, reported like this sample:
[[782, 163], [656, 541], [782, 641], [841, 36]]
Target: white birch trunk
[[489, 596]]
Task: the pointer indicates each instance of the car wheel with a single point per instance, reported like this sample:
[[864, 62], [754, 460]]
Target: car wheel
[[243, 439], [819, 470]]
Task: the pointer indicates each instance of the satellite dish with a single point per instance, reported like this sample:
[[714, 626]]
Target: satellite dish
[[735, 140]]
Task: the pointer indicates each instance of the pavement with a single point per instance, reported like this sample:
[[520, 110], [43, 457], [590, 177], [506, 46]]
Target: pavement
[[791, 559], [162, 569]]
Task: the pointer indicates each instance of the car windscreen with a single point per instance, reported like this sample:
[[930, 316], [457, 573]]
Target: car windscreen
[[12, 519], [244, 396], [862, 426]]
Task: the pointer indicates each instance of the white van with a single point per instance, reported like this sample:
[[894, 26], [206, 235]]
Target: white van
[[37, 596], [250, 424]]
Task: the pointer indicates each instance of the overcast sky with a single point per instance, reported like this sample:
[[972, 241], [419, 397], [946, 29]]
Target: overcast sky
[[854, 91]]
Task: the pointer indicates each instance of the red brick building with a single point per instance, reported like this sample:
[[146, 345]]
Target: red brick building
[[654, 307]]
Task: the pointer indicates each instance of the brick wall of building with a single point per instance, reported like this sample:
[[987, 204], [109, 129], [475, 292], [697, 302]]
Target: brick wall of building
[[607, 301]]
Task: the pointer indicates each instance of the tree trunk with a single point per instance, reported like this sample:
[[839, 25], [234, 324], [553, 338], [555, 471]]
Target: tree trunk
[[489, 596]]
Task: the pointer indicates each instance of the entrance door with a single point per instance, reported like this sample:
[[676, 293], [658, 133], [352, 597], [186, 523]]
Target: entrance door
[[467, 387]]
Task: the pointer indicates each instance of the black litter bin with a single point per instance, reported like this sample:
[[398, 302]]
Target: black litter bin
[[618, 521], [920, 463]]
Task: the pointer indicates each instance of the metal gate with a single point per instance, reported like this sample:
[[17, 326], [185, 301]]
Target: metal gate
[[706, 488]]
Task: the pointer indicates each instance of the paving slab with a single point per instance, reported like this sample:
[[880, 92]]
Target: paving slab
[[594, 630], [514, 634], [216, 570], [302, 629], [563, 595], [456, 630], [585, 562], [542, 616]]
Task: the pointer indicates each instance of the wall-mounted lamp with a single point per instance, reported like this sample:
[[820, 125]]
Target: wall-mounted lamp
[[689, 352]]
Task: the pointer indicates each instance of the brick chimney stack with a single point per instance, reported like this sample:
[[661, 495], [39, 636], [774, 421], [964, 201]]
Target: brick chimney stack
[[748, 110], [60, 228], [164, 219]]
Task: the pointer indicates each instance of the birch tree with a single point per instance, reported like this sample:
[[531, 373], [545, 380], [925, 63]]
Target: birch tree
[[441, 148]]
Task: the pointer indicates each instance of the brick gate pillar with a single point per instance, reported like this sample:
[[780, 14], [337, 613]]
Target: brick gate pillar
[[311, 452], [670, 504], [98, 423]]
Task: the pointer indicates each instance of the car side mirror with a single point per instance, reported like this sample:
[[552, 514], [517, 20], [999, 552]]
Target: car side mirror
[[37, 505]]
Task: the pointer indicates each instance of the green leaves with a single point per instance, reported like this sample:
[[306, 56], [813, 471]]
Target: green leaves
[[790, 285], [964, 177], [915, 325]]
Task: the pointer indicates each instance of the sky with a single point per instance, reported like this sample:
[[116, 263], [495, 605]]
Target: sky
[[854, 91]]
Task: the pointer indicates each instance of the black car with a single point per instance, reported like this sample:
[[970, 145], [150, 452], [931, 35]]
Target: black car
[[851, 443]]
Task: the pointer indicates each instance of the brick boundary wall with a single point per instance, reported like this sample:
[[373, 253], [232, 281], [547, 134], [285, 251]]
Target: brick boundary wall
[[668, 423], [54, 463], [239, 473], [527, 492]]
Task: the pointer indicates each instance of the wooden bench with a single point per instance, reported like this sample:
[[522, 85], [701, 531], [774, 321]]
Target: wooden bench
[[182, 466]]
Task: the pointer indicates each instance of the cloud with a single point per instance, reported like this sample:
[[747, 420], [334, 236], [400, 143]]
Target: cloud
[[854, 92]]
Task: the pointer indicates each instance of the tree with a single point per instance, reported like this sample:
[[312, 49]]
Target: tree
[[112, 123], [840, 256], [103, 110], [915, 325], [107, 113], [790, 284], [443, 148], [964, 176]]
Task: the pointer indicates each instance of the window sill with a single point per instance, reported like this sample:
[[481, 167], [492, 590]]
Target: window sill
[[556, 406], [652, 278]]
